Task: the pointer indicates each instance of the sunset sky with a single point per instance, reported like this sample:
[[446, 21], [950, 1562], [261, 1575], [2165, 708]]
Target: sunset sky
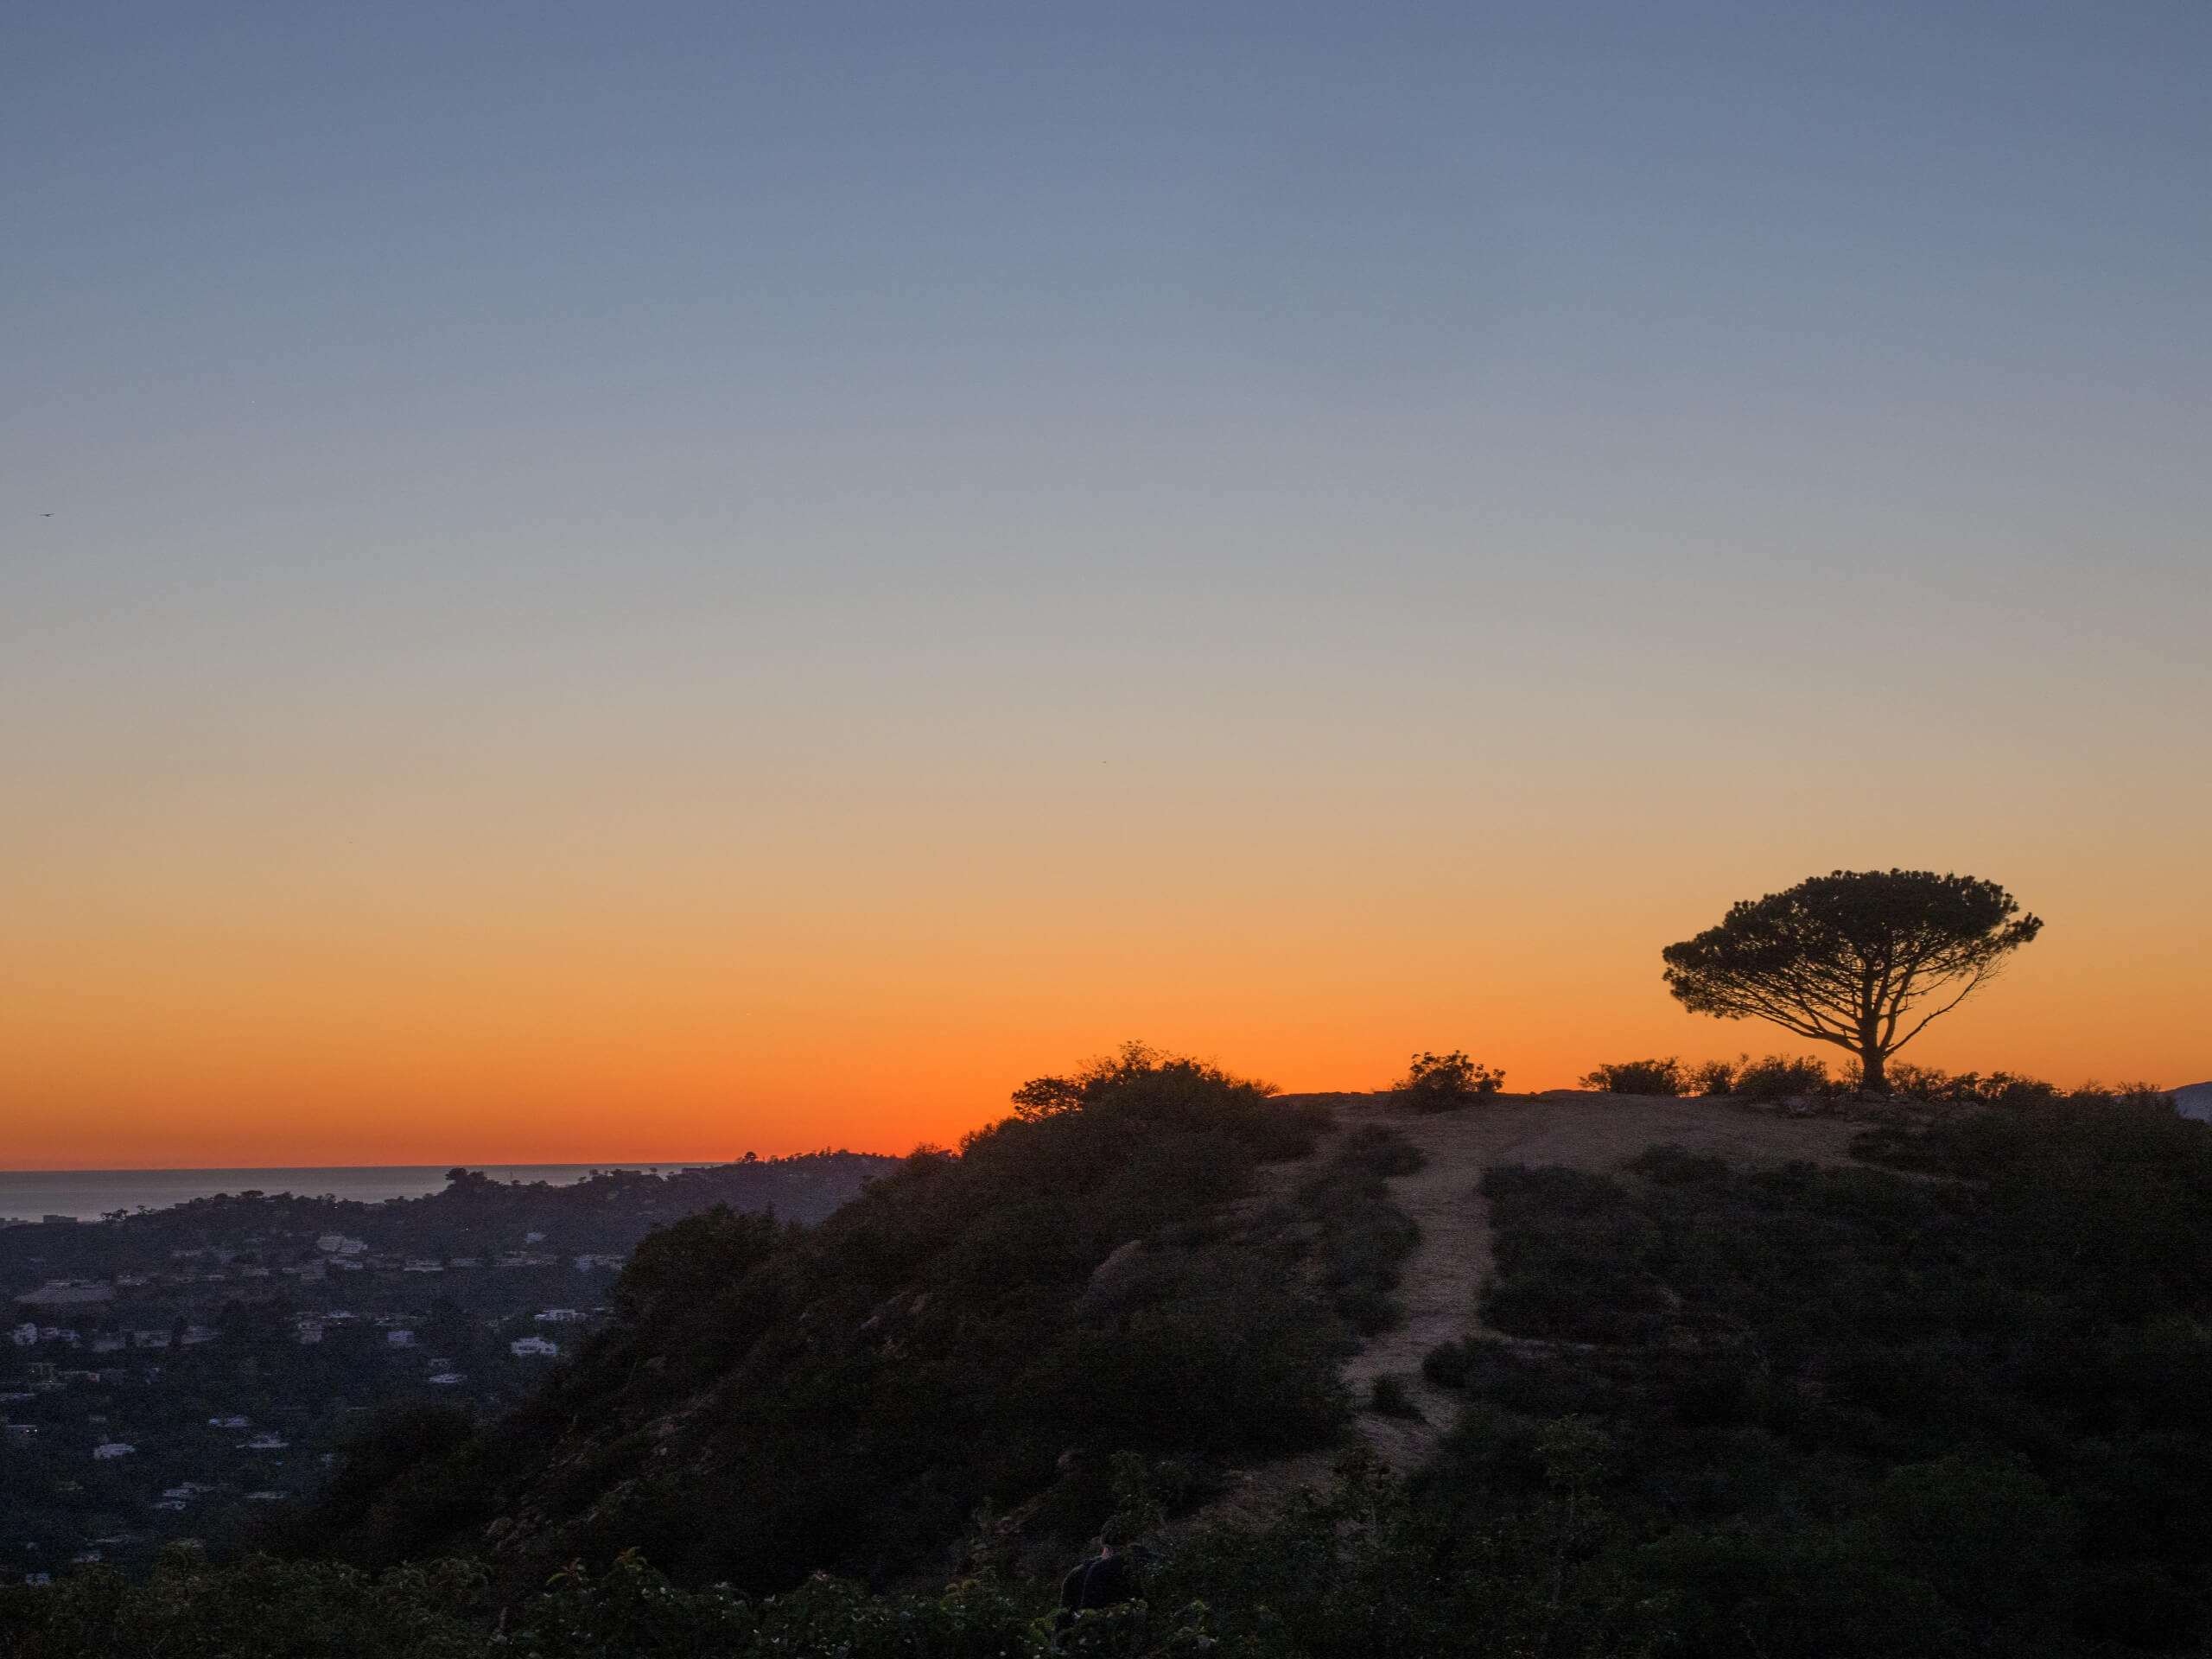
[[644, 582]]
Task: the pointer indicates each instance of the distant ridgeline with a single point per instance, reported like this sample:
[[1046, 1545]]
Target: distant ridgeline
[[473, 1223], [184, 1371]]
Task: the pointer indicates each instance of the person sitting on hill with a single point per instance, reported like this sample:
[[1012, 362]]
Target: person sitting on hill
[[1106, 1580]]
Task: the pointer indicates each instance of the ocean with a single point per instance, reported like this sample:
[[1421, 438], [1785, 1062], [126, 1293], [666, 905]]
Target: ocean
[[88, 1194]]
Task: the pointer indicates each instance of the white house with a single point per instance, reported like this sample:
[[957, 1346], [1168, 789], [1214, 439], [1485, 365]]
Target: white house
[[533, 1348]]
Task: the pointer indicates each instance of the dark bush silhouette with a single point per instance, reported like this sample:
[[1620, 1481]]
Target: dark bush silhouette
[[1639, 1077], [1389, 1397], [1779, 1076], [393, 1478], [1715, 1077], [1970, 1089], [1444, 1083]]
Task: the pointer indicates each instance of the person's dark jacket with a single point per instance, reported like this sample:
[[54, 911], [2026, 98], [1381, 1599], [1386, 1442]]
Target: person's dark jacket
[[1102, 1582]]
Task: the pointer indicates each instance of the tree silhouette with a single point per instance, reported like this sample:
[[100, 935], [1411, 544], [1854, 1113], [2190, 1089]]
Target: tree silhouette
[[1853, 958]]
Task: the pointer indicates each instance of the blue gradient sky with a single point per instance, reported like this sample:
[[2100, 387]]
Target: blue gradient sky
[[635, 570]]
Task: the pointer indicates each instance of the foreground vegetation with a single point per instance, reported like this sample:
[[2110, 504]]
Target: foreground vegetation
[[1951, 1402], [979, 1333], [1852, 1411]]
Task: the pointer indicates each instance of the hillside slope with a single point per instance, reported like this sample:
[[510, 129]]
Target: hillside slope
[[1952, 1398], [1440, 1280], [1598, 1133], [984, 1333]]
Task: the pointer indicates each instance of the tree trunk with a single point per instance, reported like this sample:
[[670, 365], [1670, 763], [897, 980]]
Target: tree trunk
[[1872, 1079]]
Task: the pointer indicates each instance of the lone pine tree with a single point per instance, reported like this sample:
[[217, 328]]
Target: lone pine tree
[[1863, 959]]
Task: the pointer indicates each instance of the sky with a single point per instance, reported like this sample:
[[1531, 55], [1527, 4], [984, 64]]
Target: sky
[[647, 581]]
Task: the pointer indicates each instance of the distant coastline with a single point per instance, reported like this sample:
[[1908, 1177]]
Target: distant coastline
[[88, 1194]]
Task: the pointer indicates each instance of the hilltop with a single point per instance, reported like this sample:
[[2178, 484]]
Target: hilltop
[[1440, 1280]]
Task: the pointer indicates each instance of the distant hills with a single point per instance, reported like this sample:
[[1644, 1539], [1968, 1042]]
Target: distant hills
[[2193, 1100]]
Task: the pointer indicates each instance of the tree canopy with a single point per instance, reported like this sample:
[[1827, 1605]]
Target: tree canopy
[[1864, 959]]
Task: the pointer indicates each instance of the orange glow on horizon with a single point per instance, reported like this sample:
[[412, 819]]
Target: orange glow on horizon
[[604, 960], [627, 1044]]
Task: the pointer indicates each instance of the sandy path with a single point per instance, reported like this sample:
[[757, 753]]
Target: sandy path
[[1440, 1280]]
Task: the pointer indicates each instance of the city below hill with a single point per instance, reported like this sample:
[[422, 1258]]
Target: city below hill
[[180, 1372]]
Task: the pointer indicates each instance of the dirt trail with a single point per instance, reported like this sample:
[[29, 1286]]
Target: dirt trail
[[1440, 1280]]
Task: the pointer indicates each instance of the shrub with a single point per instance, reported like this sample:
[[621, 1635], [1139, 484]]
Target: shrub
[[1638, 1078], [1382, 1151], [1779, 1077], [1451, 1365], [1673, 1166], [1147, 1089], [254, 1608], [1363, 1235], [1941, 1088], [1438, 1083], [395, 1454], [1717, 1076], [1388, 1397]]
